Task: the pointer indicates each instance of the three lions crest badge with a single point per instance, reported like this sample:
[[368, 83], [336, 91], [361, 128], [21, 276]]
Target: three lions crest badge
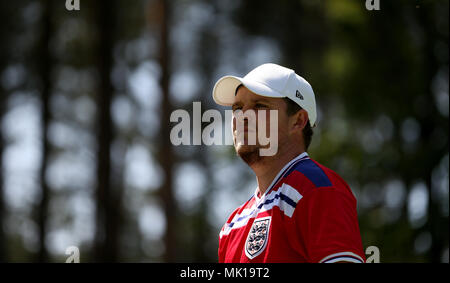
[[257, 237]]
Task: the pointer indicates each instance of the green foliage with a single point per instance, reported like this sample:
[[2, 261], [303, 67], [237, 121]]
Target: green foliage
[[380, 79]]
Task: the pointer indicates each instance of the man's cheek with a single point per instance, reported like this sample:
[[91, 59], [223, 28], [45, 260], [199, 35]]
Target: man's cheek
[[270, 128]]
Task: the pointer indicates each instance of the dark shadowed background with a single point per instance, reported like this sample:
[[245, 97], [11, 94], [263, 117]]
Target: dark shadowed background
[[86, 98]]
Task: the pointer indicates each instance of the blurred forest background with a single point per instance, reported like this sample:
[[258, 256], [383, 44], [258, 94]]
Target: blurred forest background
[[86, 96]]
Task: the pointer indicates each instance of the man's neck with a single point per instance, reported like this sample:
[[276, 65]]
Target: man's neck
[[269, 166]]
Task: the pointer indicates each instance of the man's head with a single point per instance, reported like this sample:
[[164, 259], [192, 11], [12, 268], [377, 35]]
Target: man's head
[[270, 87], [291, 124]]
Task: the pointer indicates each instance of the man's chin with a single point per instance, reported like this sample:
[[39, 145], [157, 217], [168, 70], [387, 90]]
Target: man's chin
[[248, 153]]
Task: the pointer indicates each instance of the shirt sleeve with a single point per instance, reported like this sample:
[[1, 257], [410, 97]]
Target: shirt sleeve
[[328, 225]]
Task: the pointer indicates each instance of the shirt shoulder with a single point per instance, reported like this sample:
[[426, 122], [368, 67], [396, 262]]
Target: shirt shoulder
[[308, 175]]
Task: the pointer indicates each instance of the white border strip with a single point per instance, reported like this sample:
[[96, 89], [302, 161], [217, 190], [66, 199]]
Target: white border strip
[[344, 256], [288, 191], [346, 259]]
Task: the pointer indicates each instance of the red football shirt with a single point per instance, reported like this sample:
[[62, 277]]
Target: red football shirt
[[308, 214]]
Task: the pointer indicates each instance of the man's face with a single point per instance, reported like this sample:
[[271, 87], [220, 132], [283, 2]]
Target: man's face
[[246, 100]]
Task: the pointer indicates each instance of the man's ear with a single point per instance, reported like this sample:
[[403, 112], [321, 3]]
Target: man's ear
[[299, 120]]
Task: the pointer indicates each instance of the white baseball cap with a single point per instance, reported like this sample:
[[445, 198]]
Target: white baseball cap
[[270, 80]]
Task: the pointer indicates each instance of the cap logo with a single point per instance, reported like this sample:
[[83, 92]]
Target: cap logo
[[299, 95]]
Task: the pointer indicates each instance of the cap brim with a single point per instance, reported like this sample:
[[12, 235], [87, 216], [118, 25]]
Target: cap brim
[[225, 88]]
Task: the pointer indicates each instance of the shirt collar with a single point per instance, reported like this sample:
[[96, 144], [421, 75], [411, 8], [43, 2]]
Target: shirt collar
[[279, 175]]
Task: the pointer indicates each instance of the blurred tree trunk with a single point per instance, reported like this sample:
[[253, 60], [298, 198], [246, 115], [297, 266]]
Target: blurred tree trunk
[[107, 206], [45, 62], [3, 99], [429, 124], [166, 155], [208, 60]]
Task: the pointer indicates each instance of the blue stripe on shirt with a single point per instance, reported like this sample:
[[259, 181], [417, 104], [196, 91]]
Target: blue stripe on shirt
[[313, 172]]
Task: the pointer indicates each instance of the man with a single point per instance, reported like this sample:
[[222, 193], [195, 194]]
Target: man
[[301, 210]]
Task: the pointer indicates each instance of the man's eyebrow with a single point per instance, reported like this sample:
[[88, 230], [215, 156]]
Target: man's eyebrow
[[261, 100], [236, 103]]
